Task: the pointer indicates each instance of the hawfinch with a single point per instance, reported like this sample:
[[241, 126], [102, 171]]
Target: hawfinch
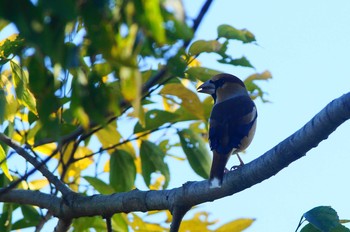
[[232, 121]]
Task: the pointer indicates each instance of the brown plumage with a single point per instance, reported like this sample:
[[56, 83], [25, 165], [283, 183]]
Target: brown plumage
[[232, 121]]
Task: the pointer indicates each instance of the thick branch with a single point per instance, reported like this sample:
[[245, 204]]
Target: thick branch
[[193, 193]]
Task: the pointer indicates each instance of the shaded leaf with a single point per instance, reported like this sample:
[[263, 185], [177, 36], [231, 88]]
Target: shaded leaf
[[152, 160], [122, 171], [201, 46], [201, 73], [31, 217], [243, 61], [323, 218], [310, 228], [154, 119], [99, 185], [229, 32], [196, 151]]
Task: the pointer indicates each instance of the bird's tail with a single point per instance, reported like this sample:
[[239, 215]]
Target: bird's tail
[[218, 169]]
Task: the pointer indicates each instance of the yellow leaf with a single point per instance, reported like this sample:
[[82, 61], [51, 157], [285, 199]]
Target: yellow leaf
[[3, 164], [74, 170], [138, 165], [106, 167], [236, 225], [193, 62], [190, 100], [46, 149], [158, 183], [109, 135], [199, 222], [38, 184]]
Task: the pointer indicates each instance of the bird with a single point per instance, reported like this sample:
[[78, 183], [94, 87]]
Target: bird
[[232, 122]]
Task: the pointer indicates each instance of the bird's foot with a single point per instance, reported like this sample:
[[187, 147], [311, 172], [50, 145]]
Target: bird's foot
[[234, 167]]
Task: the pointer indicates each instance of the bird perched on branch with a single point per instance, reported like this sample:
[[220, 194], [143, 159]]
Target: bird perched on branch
[[232, 121]]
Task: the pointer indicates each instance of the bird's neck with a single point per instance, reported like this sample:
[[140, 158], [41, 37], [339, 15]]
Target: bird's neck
[[229, 92]]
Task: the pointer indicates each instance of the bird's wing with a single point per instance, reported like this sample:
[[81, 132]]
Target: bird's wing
[[231, 121]]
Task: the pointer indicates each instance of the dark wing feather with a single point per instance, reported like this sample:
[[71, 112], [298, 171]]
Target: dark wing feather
[[230, 121]]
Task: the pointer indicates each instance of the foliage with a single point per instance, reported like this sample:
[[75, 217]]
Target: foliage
[[323, 218], [77, 72]]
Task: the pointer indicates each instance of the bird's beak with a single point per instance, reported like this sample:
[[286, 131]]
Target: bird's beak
[[207, 87]]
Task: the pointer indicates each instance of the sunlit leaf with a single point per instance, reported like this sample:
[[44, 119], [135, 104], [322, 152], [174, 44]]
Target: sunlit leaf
[[266, 75], [122, 171], [38, 184], [189, 99], [199, 222], [85, 224], [23, 93], [236, 225], [154, 19], [46, 149], [138, 224], [196, 151], [109, 135], [119, 222], [229, 32], [3, 163], [201, 46], [99, 185], [152, 160]]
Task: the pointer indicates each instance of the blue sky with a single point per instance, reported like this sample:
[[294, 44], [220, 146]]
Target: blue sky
[[305, 45]]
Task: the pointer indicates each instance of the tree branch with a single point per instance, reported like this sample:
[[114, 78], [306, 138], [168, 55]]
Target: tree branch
[[194, 193], [37, 165]]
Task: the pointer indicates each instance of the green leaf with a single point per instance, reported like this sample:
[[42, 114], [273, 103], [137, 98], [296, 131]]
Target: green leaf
[[201, 73], [229, 32], [23, 93], [152, 160], [201, 46], [197, 154], [155, 19], [84, 224], [31, 217], [154, 119], [243, 61], [99, 185], [310, 228], [122, 171], [3, 164], [323, 218], [189, 99], [254, 89], [119, 222]]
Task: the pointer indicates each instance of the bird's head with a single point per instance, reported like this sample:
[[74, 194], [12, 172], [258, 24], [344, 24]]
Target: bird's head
[[223, 86]]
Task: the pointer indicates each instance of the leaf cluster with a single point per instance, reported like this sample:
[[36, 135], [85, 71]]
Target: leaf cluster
[[76, 73]]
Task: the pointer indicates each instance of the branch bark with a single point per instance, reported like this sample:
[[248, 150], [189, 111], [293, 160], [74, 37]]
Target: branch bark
[[193, 193]]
